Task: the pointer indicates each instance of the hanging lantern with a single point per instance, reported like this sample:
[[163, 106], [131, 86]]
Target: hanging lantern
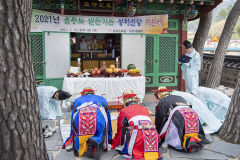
[[150, 1], [181, 1], [139, 0], [171, 1], [161, 1], [201, 3], [191, 2]]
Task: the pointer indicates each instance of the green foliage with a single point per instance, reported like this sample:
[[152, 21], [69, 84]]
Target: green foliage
[[223, 13]]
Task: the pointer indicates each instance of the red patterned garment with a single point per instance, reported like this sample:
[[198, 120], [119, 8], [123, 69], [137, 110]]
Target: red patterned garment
[[135, 142], [87, 121], [150, 138], [191, 120]]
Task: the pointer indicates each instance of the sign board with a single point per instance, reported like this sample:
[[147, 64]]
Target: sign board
[[46, 21], [214, 39], [86, 5]]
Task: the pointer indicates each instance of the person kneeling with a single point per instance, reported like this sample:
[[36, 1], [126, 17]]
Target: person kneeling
[[180, 126], [136, 135], [90, 129]]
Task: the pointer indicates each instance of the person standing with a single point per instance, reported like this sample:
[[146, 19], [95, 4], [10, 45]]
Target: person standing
[[190, 65]]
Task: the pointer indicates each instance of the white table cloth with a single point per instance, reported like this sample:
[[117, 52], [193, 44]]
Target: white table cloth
[[112, 87]]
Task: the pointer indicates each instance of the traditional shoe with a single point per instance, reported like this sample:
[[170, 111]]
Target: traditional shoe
[[47, 134], [90, 151], [50, 129]]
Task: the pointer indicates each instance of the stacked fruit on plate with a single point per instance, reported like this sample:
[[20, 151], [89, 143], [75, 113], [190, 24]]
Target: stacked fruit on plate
[[96, 72], [133, 71], [112, 71]]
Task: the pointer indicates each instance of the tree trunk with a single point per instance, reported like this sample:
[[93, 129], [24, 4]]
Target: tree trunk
[[200, 39], [21, 130], [230, 130], [214, 75]]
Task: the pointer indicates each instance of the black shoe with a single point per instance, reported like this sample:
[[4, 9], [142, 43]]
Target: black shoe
[[90, 151]]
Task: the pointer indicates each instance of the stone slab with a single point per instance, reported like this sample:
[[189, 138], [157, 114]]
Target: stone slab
[[64, 155], [53, 145], [65, 130], [209, 138], [56, 136], [50, 123], [202, 154], [163, 150], [58, 122], [228, 149], [176, 159], [50, 155], [108, 155], [119, 157]]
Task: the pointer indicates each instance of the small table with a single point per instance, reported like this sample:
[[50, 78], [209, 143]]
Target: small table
[[115, 105]]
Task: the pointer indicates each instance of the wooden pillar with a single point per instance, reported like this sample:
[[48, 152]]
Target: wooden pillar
[[78, 7], [62, 6], [183, 37]]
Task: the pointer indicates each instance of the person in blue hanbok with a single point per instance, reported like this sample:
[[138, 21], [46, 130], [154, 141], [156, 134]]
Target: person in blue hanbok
[[48, 98], [99, 121], [215, 100], [190, 67]]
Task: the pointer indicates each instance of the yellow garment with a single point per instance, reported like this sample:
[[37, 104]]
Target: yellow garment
[[151, 155], [194, 135], [83, 144]]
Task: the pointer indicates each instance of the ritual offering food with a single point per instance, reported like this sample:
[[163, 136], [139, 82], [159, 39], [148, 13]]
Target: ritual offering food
[[116, 70], [131, 66], [112, 66], [109, 70], [134, 72], [71, 75]]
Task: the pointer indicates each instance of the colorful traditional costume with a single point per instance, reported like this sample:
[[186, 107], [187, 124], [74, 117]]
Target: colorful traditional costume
[[91, 129], [136, 135], [179, 125], [210, 121]]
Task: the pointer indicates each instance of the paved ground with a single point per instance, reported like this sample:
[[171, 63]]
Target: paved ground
[[217, 150]]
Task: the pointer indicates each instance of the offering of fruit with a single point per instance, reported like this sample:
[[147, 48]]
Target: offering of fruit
[[79, 73], [109, 70], [131, 66], [112, 66], [116, 70], [137, 70], [98, 72], [132, 71], [94, 72]]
